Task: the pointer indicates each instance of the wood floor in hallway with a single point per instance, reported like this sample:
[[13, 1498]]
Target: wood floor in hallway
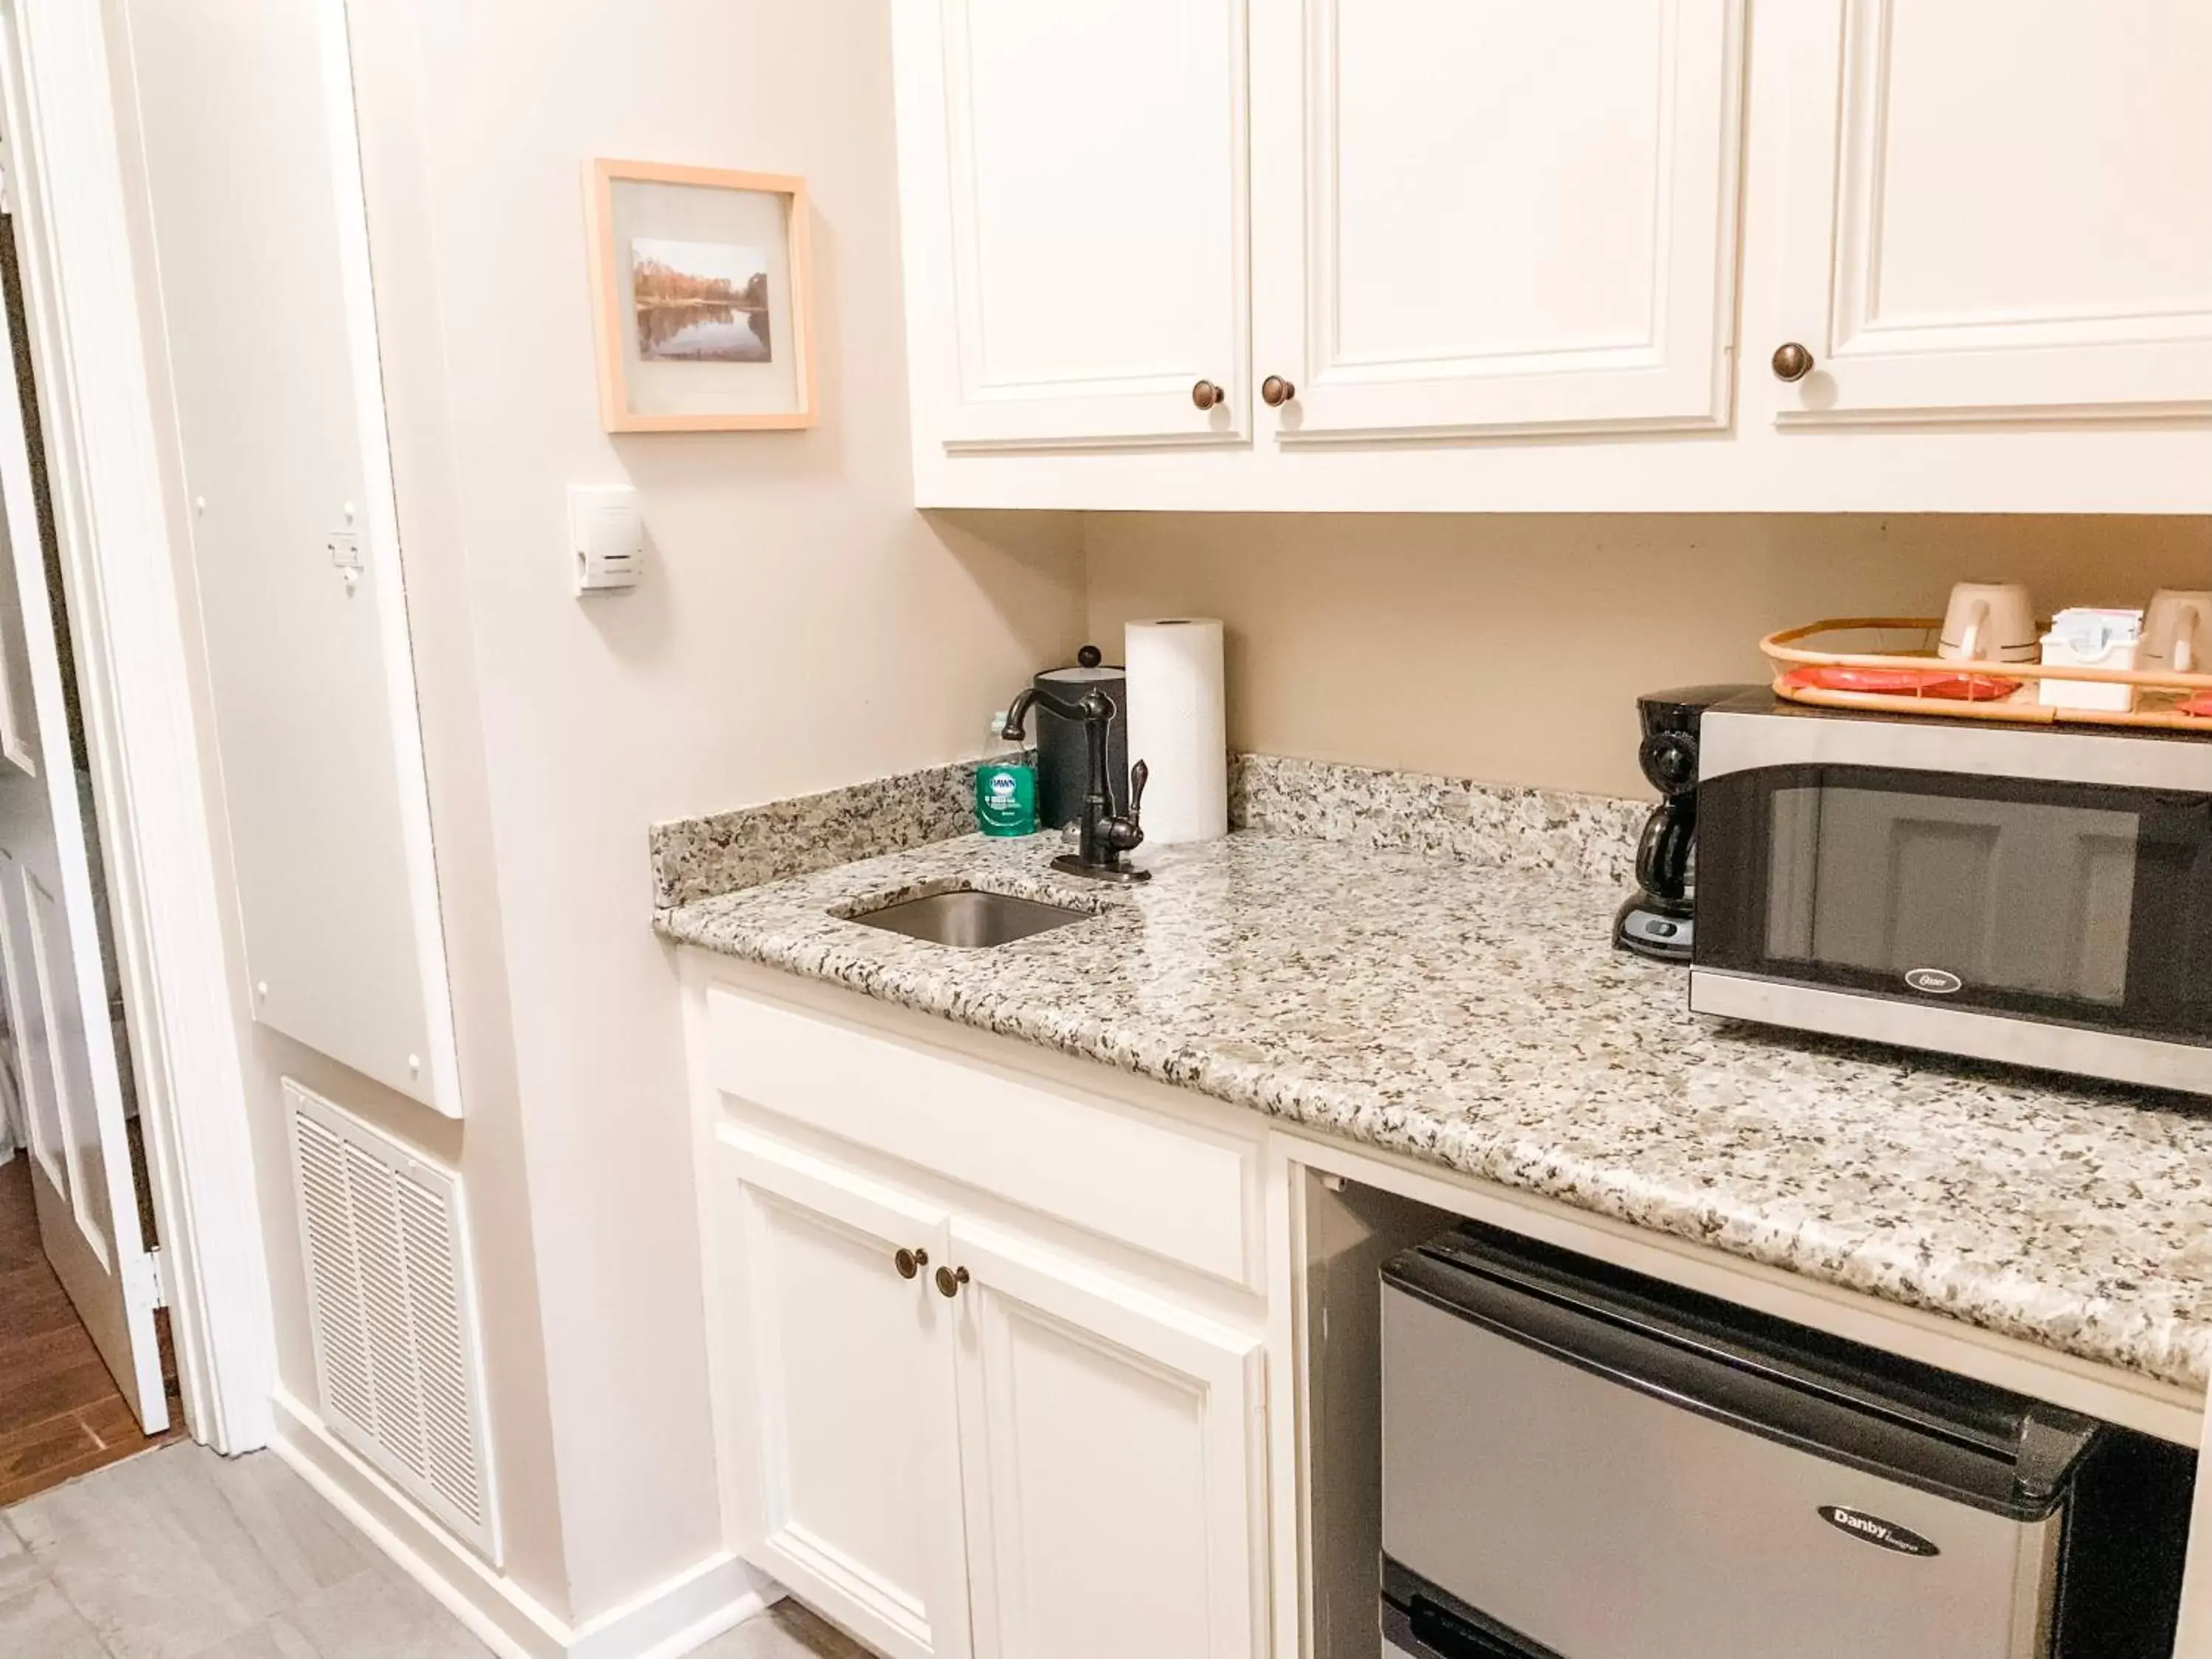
[[181, 1554], [61, 1414]]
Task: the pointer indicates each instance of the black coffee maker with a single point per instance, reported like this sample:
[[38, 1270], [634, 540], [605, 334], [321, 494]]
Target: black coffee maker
[[1660, 920]]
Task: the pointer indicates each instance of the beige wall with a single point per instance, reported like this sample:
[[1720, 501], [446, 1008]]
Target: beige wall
[[798, 626], [1512, 649]]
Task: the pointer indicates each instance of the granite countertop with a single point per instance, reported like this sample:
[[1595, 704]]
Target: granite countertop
[[1475, 1016]]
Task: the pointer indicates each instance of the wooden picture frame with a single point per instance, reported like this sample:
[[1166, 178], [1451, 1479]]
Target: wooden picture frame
[[727, 345]]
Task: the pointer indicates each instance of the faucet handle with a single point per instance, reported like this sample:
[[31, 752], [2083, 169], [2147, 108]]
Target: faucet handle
[[1124, 834]]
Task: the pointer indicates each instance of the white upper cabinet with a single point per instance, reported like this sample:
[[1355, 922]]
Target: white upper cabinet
[[1485, 255], [1997, 209], [1074, 176], [1484, 217]]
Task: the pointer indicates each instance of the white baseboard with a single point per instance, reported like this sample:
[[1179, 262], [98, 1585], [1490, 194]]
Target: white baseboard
[[695, 1606], [676, 1616]]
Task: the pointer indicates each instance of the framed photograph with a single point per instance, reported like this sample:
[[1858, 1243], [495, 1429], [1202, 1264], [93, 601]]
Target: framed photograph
[[699, 293]]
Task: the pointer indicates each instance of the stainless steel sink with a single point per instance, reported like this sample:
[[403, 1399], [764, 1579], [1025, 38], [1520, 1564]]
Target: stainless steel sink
[[968, 920]]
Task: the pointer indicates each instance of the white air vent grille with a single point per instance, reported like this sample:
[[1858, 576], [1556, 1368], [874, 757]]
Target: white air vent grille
[[394, 1312]]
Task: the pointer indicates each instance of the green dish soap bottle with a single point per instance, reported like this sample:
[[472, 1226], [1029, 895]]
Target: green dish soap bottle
[[1006, 792]]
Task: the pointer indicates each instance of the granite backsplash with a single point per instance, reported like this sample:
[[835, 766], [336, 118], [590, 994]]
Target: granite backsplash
[[1487, 824]]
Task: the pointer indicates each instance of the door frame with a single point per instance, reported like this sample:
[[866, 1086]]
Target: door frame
[[67, 178]]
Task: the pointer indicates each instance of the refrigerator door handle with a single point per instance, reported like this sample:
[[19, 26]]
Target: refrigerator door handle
[[1424, 1628], [1447, 1637]]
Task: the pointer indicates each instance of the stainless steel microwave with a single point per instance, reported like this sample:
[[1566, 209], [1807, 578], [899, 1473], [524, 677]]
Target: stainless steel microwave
[[2037, 894]]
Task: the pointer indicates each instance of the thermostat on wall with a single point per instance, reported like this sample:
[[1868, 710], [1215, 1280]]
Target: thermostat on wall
[[607, 536]]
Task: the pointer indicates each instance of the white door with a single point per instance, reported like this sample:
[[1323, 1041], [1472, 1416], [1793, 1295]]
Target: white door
[[1474, 216], [1111, 1445], [1992, 207], [53, 962], [846, 1366], [1074, 178]]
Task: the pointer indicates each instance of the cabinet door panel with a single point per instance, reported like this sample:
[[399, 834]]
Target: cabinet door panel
[[1992, 208], [847, 1379], [1111, 1443], [1487, 216], [1083, 181]]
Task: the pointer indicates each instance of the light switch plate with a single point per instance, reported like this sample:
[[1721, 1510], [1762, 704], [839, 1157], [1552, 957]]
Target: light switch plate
[[606, 538]]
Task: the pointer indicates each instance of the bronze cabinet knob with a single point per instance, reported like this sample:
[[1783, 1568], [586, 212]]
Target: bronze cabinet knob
[[1205, 395], [1275, 392], [911, 1262], [1792, 362], [949, 1280]]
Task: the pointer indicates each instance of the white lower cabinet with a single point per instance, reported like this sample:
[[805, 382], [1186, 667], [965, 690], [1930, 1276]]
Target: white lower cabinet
[[842, 1394], [1111, 1451], [1015, 1453]]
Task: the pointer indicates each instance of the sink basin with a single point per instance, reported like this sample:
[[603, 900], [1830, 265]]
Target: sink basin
[[968, 919]]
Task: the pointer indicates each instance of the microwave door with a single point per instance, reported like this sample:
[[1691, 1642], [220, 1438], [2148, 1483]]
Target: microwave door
[[2013, 896], [2055, 923]]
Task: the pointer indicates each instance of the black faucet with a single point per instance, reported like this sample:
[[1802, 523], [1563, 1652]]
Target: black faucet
[[1105, 835]]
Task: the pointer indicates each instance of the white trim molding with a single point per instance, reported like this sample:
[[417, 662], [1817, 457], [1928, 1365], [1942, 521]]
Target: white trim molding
[[673, 1617], [103, 447]]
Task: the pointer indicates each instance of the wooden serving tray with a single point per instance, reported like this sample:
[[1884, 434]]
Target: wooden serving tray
[[2158, 696]]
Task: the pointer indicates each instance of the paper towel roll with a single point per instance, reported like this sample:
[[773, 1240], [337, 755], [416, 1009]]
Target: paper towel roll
[[1177, 727]]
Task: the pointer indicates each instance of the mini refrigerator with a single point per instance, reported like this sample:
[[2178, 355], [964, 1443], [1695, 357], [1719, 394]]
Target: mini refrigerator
[[1579, 1462]]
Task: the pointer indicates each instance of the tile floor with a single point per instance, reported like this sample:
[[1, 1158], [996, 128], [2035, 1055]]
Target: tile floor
[[180, 1553]]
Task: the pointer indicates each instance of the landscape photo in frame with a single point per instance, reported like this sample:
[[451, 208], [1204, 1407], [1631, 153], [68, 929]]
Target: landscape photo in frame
[[700, 298], [700, 301]]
